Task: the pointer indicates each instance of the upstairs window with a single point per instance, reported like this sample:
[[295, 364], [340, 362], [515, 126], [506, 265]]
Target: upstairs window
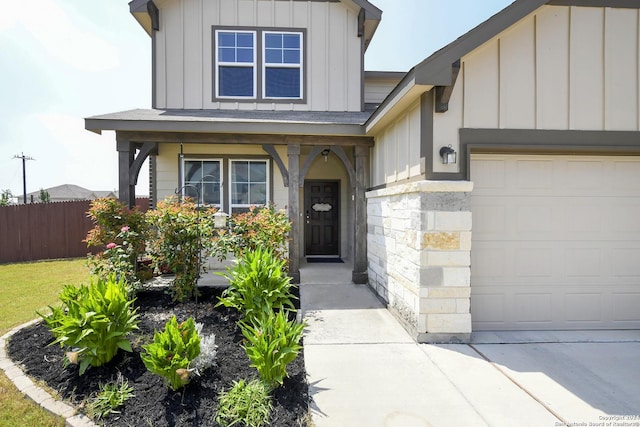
[[282, 68], [259, 64], [236, 59]]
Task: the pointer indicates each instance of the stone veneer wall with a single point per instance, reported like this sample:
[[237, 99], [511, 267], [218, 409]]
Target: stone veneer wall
[[419, 256]]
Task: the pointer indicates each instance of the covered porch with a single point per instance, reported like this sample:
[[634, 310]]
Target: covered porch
[[292, 141]]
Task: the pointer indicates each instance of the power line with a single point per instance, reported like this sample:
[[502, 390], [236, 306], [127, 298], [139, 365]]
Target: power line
[[24, 174]]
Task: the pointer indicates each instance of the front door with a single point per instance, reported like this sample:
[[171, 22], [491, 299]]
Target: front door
[[322, 218]]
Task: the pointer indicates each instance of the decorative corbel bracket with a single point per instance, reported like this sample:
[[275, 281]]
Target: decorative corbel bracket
[[443, 93]]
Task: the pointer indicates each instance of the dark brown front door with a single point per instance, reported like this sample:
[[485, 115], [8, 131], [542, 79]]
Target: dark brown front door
[[322, 218]]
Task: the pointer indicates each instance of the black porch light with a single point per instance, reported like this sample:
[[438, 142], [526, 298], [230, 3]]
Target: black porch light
[[449, 155]]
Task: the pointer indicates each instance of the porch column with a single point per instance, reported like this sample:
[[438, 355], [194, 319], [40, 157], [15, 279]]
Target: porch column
[[359, 275], [293, 152], [126, 153]]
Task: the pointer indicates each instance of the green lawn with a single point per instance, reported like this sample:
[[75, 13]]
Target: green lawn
[[25, 288]]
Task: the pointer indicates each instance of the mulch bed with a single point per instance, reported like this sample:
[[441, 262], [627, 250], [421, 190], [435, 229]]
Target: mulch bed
[[155, 404]]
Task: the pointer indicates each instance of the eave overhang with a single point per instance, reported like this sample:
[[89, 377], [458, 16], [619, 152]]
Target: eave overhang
[[231, 122]]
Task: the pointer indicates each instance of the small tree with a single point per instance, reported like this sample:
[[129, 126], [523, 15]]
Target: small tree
[[6, 198], [44, 197]]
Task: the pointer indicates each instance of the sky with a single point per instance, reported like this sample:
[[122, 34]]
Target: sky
[[64, 60]]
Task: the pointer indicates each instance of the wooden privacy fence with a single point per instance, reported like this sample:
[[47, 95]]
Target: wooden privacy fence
[[46, 230]]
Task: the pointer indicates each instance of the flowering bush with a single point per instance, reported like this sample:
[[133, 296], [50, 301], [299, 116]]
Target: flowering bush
[[178, 234], [109, 217], [262, 227], [119, 259], [122, 232]]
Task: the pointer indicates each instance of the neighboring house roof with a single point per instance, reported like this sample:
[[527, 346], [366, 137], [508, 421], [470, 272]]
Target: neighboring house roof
[[336, 123], [143, 11], [70, 192]]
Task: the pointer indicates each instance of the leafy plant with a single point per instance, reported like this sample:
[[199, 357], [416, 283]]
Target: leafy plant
[[272, 342], [171, 352], [248, 403], [93, 321], [111, 396], [257, 284], [179, 233], [261, 227]]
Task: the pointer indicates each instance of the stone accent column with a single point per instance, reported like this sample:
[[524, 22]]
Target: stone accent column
[[293, 152], [419, 240]]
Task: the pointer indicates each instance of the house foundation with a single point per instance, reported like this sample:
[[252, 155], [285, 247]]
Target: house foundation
[[419, 253]]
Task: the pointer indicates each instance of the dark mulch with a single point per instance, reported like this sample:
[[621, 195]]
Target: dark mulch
[[154, 403]]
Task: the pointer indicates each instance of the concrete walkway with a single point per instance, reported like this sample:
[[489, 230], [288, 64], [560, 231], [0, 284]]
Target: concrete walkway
[[365, 370]]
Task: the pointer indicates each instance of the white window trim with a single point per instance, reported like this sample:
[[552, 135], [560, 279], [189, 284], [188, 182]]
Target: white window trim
[[268, 183], [298, 66], [221, 177], [253, 65]]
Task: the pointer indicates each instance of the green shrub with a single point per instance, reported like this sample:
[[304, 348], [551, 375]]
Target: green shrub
[[179, 232], [261, 227], [93, 321], [171, 352], [111, 396], [248, 403], [271, 343], [257, 284]]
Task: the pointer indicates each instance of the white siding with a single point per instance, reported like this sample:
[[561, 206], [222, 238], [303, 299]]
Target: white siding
[[333, 62], [562, 68], [376, 90], [396, 155]]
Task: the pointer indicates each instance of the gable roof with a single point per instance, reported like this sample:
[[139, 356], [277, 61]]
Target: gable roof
[[142, 11], [438, 68]]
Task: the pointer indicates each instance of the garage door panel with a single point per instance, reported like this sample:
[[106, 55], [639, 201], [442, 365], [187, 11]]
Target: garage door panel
[[625, 307], [625, 262], [534, 174], [583, 307], [556, 242], [583, 262], [533, 262]]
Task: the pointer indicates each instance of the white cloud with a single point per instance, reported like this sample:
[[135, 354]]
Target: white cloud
[[66, 38]]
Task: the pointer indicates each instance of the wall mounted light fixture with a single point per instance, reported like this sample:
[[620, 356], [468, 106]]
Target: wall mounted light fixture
[[325, 154], [449, 155]]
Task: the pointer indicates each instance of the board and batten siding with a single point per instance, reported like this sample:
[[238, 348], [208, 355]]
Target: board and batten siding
[[396, 155], [560, 68], [184, 56]]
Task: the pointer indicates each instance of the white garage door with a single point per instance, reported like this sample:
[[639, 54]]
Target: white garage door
[[556, 242]]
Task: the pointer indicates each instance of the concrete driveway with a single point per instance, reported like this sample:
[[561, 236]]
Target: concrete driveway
[[365, 370]]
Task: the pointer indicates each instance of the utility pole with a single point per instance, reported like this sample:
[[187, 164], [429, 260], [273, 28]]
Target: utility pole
[[24, 174]]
